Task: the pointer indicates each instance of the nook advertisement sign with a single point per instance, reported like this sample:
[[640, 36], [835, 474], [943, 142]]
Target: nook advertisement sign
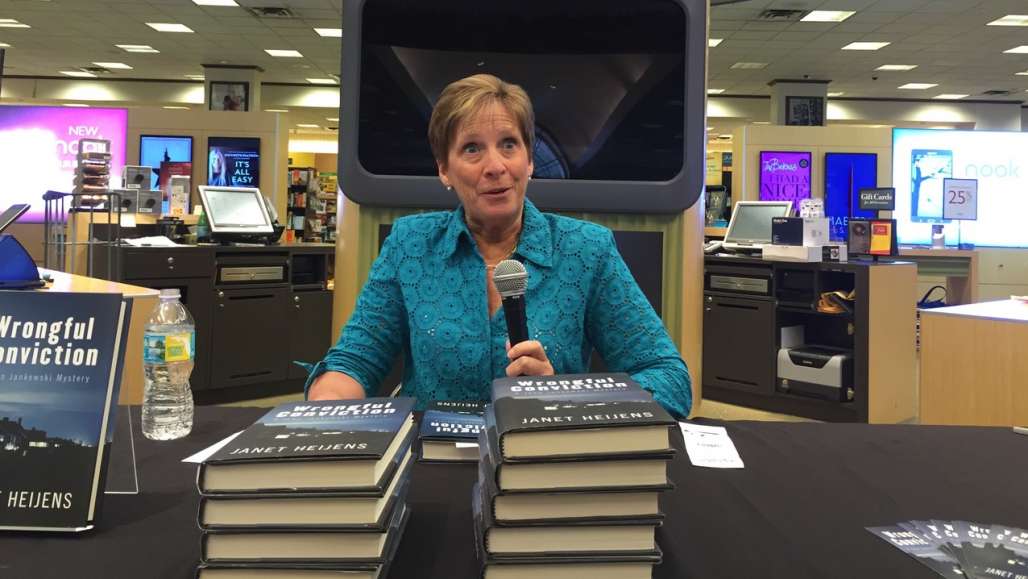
[[785, 176]]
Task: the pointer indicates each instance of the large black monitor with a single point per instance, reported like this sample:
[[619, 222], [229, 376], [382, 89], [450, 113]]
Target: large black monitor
[[234, 161], [618, 91]]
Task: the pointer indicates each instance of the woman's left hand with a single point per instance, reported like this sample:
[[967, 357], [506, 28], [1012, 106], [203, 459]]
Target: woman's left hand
[[528, 359]]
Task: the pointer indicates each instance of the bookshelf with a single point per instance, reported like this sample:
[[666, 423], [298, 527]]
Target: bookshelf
[[311, 205]]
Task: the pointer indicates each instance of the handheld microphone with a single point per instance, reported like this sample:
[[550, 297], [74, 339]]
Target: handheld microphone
[[511, 279]]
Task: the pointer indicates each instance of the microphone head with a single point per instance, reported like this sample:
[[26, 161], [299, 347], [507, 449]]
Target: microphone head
[[510, 278]]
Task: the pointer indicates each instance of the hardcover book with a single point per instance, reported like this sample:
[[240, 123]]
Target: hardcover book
[[357, 510], [340, 546], [61, 357], [588, 538], [594, 387], [330, 445], [529, 428], [449, 431], [555, 507], [646, 472]]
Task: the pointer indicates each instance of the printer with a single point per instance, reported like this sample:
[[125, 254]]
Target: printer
[[816, 371]]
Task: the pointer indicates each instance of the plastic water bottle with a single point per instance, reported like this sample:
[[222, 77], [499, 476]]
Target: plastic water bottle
[[168, 351]]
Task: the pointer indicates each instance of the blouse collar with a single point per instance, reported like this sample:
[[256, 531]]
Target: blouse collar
[[535, 243]]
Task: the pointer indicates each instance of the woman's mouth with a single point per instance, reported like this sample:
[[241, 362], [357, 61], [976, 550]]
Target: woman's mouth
[[497, 191]]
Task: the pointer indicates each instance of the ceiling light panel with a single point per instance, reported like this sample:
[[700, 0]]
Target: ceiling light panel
[[12, 23], [329, 32], [308, 126], [138, 48], [169, 27], [917, 86], [835, 94], [114, 65], [712, 42], [952, 97], [321, 81], [749, 65], [283, 53], [897, 67], [1023, 49], [866, 45], [827, 16], [78, 74], [1011, 20], [715, 90], [215, 2]]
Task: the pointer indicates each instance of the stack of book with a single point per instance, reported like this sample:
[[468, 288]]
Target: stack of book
[[569, 483], [449, 431], [312, 489]]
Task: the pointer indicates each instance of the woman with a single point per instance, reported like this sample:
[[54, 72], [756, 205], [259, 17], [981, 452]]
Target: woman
[[431, 294], [216, 168]]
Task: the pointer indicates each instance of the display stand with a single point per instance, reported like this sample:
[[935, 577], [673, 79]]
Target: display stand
[[122, 473], [61, 250]]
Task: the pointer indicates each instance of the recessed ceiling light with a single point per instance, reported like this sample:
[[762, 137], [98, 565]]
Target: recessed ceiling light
[[321, 81], [712, 42], [715, 90], [749, 65], [308, 126], [215, 2], [78, 73], [1011, 20], [114, 65], [1025, 73], [138, 48], [4, 45], [918, 86], [952, 97], [276, 111], [865, 45], [12, 23], [194, 76], [835, 94], [827, 16], [897, 67], [1023, 49], [169, 27], [175, 108], [76, 105], [332, 119], [283, 53], [329, 32]]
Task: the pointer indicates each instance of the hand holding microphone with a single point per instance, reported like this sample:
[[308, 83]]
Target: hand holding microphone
[[528, 358]]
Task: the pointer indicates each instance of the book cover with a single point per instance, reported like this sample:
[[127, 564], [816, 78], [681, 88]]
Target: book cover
[[61, 356], [882, 237], [527, 414], [282, 544], [595, 387], [328, 429], [452, 426]]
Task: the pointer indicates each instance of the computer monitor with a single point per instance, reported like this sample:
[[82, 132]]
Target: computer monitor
[[751, 222], [235, 211]]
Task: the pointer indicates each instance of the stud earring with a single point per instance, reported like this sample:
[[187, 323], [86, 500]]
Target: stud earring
[[448, 188]]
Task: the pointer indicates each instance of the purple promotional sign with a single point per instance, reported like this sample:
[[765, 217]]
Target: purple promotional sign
[[38, 147], [785, 176]]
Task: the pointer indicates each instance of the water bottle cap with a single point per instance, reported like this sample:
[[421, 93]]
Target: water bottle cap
[[170, 294]]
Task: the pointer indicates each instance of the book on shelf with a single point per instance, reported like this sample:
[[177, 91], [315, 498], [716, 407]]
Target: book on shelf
[[551, 507], [61, 359], [449, 430], [606, 538], [645, 472], [266, 545], [330, 445], [534, 429], [608, 386], [369, 510]]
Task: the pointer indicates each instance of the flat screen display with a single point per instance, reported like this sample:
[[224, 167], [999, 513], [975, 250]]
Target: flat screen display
[[845, 175], [232, 209], [154, 150], [234, 161], [785, 176], [751, 221], [923, 158], [38, 146]]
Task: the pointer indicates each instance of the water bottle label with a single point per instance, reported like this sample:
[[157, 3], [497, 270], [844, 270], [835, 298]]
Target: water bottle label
[[164, 348]]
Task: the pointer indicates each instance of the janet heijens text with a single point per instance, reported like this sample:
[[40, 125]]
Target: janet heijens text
[[47, 348]]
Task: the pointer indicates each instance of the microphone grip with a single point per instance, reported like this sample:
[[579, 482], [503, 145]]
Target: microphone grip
[[517, 318]]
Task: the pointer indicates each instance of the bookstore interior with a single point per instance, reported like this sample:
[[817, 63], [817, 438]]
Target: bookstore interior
[[842, 267]]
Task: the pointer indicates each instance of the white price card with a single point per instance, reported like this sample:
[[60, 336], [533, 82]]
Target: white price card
[[960, 199], [710, 446]]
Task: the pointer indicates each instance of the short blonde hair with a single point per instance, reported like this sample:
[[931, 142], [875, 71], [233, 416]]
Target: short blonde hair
[[462, 99]]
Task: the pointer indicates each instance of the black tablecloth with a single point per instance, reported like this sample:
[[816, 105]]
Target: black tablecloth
[[797, 510]]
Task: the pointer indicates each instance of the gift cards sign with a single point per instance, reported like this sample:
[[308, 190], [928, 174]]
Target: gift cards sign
[[878, 199]]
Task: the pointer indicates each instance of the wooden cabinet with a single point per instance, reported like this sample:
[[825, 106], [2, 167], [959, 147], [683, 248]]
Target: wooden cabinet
[[310, 329], [248, 326], [732, 326]]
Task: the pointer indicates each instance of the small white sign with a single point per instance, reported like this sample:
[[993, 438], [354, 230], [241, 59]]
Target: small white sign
[[960, 199], [467, 445], [710, 446]]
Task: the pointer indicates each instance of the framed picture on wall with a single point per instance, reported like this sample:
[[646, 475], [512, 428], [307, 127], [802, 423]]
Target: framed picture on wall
[[229, 96], [805, 111]]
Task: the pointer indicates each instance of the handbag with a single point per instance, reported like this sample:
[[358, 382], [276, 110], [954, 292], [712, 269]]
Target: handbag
[[927, 302]]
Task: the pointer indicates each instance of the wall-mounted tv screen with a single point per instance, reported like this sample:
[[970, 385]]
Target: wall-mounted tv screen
[[845, 175], [234, 161], [38, 146], [785, 176], [617, 91], [154, 150], [923, 158]]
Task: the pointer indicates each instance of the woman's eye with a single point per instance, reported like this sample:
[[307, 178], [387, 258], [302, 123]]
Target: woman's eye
[[470, 148], [510, 143]]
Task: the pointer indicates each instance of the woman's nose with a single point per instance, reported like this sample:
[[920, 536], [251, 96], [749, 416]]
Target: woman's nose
[[494, 163]]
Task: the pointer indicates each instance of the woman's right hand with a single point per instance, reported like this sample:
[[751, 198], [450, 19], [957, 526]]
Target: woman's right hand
[[335, 386]]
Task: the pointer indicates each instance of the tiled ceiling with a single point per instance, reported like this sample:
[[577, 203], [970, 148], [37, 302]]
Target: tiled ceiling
[[948, 40]]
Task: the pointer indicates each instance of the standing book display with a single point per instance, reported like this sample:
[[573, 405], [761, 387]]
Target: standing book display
[[61, 357]]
